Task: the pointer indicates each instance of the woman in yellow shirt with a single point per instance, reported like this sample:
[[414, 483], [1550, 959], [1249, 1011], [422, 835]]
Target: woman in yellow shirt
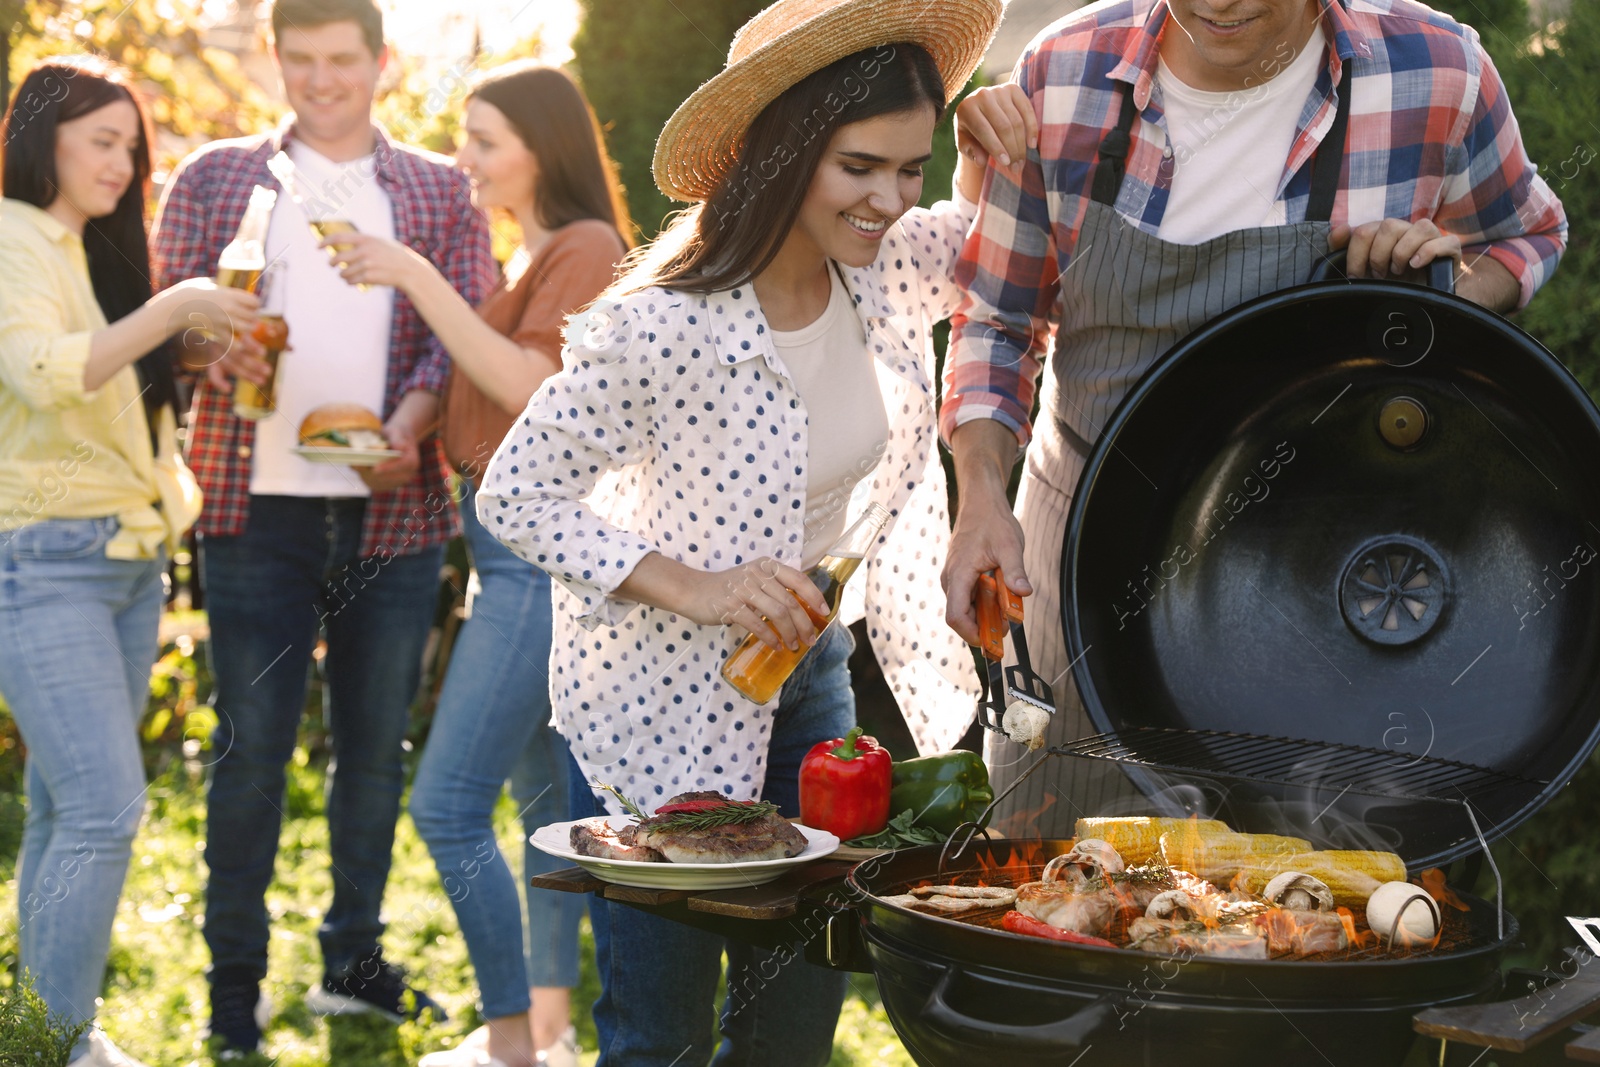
[[92, 497]]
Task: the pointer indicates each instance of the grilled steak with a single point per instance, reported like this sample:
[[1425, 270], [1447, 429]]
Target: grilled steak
[[770, 837], [593, 837]]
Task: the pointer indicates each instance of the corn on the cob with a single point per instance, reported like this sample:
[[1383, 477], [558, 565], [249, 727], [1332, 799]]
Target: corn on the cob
[[1137, 838], [1217, 857], [1351, 874]]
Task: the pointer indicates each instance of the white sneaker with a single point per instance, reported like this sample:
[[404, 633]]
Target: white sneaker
[[102, 1053], [564, 1053], [469, 1053]]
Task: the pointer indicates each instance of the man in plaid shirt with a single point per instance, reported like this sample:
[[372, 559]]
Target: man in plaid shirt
[[1193, 155], [289, 548]]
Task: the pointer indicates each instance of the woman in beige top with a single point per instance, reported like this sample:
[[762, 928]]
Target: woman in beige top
[[92, 496]]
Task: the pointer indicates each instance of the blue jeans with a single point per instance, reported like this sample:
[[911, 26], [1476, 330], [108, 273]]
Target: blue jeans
[[493, 723], [659, 977], [268, 590], [77, 638]]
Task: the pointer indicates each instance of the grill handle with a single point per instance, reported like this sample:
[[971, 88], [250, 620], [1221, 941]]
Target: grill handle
[[1330, 267], [1071, 1032]]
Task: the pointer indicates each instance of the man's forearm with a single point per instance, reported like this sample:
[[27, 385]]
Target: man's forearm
[[984, 451], [1486, 281]]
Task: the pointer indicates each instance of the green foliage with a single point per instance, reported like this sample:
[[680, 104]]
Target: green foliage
[[1553, 87], [1550, 872], [423, 106], [1503, 25], [155, 990], [30, 1034], [193, 91], [1549, 77], [638, 60]]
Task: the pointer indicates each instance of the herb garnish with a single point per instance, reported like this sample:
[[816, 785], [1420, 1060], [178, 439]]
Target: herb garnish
[[707, 816]]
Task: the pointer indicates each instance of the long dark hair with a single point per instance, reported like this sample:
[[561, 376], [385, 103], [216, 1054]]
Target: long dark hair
[[61, 89], [736, 233], [577, 179]]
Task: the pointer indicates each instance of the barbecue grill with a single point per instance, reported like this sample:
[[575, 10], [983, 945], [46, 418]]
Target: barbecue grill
[[1392, 645]]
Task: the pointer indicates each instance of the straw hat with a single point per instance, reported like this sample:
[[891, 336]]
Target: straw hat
[[795, 38]]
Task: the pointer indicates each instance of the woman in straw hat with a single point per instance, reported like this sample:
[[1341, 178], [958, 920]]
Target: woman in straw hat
[[755, 379]]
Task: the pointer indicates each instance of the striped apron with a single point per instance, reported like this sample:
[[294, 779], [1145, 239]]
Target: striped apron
[[1126, 299]]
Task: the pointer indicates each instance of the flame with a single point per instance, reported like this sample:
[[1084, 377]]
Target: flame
[[1017, 866], [1023, 823], [1360, 939], [1433, 882]]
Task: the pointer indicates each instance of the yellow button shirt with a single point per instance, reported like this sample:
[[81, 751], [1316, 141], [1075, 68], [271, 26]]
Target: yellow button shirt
[[67, 453]]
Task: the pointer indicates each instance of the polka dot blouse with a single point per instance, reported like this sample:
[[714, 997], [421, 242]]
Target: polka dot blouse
[[674, 427]]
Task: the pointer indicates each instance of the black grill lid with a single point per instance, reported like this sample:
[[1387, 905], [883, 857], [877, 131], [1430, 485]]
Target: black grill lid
[[1361, 514]]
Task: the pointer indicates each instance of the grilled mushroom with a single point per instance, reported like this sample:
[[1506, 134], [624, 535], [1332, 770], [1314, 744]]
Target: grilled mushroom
[[1298, 892], [1088, 859], [1174, 905]]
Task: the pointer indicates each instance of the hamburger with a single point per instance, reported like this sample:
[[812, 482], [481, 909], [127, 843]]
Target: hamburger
[[342, 426]]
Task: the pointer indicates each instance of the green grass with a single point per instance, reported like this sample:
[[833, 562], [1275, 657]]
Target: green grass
[[155, 1003]]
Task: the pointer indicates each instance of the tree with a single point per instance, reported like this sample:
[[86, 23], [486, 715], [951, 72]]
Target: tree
[[1503, 25], [1560, 117], [1549, 78], [637, 61], [194, 91]]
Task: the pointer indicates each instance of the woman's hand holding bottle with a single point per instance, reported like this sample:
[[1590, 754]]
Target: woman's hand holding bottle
[[211, 326], [775, 602], [781, 606], [364, 259]]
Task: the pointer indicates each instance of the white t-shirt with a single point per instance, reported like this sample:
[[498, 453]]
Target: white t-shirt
[[1229, 149], [837, 378], [338, 335]]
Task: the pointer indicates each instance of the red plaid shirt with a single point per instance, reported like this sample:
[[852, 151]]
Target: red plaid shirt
[[1431, 137], [433, 214]]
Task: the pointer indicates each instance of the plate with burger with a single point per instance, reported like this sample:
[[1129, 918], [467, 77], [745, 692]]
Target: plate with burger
[[698, 840], [347, 434]]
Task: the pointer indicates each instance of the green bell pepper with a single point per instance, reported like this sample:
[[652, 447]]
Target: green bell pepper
[[943, 791]]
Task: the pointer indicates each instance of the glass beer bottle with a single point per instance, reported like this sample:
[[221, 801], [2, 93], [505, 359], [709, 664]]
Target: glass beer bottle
[[241, 263], [758, 670], [252, 401]]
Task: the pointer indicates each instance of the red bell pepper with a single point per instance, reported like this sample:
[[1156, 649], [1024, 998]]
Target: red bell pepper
[[1019, 923], [845, 785]]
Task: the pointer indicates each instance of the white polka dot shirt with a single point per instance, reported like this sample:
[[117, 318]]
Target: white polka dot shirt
[[675, 428]]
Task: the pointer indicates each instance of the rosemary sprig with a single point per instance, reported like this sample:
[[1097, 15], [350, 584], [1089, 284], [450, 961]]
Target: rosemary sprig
[[627, 805], [730, 814], [733, 813]]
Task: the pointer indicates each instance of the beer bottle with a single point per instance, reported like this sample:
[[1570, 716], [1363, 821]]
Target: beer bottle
[[246, 255], [758, 670], [252, 401]]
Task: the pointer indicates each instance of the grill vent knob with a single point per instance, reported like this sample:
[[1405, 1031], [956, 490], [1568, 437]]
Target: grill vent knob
[[1393, 590], [1403, 422]]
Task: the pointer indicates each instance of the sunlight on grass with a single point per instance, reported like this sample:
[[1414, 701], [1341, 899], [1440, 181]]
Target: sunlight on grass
[[155, 1002]]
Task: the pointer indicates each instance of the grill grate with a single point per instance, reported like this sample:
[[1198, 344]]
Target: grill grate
[[1292, 762]]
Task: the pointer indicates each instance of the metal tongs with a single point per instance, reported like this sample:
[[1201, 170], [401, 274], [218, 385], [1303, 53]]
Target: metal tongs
[[1010, 694]]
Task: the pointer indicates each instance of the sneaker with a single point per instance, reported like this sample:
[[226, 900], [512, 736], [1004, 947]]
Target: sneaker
[[372, 985], [564, 1053], [470, 1053], [102, 1053], [240, 1011]]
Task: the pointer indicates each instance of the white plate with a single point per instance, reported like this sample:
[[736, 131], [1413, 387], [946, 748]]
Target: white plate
[[556, 839], [345, 457]]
